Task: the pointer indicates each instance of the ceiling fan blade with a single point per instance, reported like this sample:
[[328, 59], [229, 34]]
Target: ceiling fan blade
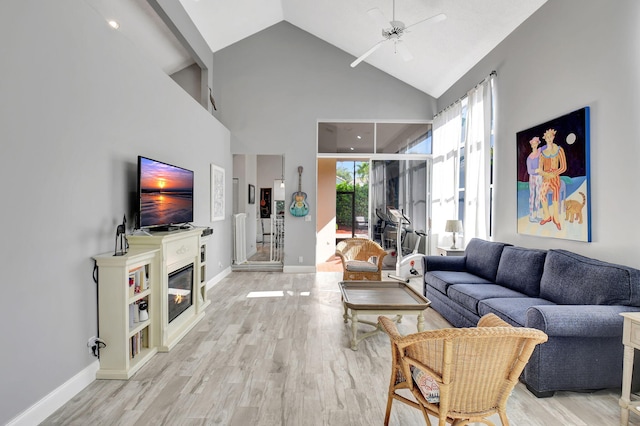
[[433, 19], [367, 53], [379, 18], [403, 50]]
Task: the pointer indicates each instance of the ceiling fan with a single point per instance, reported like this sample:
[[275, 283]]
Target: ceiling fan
[[393, 31]]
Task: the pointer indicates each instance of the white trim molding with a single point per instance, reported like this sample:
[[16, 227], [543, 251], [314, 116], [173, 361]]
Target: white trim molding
[[42, 409]]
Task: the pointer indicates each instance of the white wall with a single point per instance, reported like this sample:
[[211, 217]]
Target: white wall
[[273, 87], [244, 169], [571, 54], [326, 211], [78, 104]]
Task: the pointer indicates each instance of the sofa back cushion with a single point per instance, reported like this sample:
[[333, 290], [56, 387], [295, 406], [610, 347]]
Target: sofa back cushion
[[520, 269], [571, 279], [482, 258]]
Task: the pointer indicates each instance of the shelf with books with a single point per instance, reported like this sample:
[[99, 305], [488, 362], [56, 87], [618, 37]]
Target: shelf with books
[[126, 311], [138, 280], [203, 301]]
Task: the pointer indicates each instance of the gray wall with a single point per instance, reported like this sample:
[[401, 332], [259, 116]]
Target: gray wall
[[571, 54], [273, 87], [176, 18], [78, 103], [189, 78]]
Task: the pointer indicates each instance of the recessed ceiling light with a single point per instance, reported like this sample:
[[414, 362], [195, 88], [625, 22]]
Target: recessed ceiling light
[[359, 137], [352, 149], [113, 24]]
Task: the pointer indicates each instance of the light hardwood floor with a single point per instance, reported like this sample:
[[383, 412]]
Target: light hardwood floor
[[273, 350]]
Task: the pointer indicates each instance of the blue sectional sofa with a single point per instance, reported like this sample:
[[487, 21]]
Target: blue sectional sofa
[[576, 300]]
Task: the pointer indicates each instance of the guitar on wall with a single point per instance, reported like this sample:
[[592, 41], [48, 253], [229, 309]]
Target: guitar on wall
[[299, 206]]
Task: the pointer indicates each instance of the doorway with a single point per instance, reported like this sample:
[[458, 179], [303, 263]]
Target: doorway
[[352, 199], [261, 224], [362, 143]]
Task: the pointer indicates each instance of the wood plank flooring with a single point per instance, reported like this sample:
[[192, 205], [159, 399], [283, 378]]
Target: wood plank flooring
[[273, 350]]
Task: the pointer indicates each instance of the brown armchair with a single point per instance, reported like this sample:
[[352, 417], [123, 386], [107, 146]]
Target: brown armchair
[[459, 375], [361, 259]]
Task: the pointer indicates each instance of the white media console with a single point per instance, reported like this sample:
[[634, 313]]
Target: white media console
[[143, 275]]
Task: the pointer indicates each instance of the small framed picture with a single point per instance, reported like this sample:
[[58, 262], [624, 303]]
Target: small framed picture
[[217, 193], [252, 194]]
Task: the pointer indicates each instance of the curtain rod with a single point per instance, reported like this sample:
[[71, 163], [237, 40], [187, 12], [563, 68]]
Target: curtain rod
[[465, 95]]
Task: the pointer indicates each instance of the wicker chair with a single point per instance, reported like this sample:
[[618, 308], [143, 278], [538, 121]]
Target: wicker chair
[[469, 371], [357, 256]]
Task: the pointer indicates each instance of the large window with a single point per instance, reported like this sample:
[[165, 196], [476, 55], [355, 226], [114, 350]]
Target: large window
[[465, 134], [378, 166], [374, 138]]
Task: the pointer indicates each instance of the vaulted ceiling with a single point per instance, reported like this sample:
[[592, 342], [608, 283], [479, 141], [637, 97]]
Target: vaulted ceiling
[[441, 52]]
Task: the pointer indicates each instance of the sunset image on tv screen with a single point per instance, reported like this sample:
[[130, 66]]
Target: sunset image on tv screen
[[166, 193]]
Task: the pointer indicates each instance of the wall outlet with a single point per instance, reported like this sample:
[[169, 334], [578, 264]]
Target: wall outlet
[[92, 342], [300, 259], [95, 344], [220, 265]]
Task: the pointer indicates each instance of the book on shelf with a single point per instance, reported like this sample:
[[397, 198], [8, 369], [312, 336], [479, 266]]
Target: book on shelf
[[136, 314], [132, 284], [138, 280], [137, 342], [132, 309], [143, 338], [145, 278]]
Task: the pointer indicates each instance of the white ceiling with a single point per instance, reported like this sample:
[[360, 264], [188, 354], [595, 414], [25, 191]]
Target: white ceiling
[[442, 52]]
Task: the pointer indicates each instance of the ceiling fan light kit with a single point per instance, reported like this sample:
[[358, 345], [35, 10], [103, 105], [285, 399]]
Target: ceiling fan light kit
[[393, 31]]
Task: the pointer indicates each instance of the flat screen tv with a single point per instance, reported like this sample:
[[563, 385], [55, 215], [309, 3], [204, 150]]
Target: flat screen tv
[[165, 194]]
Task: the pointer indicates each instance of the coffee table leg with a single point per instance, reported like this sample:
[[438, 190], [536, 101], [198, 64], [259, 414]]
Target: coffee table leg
[[354, 330], [420, 321], [345, 316]]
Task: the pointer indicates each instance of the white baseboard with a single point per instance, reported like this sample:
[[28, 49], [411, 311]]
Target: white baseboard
[[42, 409], [298, 269], [216, 279]]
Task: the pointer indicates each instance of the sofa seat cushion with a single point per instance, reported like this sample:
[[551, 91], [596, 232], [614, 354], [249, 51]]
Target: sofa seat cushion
[[512, 310], [360, 266], [572, 279], [483, 257], [468, 295], [441, 280], [521, 269]]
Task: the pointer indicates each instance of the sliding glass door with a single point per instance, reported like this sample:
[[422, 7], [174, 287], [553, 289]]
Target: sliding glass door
[[352, 199], [401, 184]]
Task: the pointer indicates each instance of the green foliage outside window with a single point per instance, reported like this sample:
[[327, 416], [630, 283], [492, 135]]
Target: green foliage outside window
[[343, 203]]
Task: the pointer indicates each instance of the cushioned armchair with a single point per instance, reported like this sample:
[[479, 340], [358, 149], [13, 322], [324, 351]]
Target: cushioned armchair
[[361, 259], [459, 375]]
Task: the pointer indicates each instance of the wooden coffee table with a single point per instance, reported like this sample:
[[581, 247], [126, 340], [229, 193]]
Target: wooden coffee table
[[379, 298]]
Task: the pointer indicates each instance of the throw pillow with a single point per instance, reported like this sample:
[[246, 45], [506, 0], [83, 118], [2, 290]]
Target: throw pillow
[[427, 385]]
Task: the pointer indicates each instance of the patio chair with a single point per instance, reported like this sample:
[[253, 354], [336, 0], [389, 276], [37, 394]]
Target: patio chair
[[459, 375], [361, 259]]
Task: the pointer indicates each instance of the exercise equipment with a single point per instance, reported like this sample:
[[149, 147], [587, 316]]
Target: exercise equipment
[[407, 265]]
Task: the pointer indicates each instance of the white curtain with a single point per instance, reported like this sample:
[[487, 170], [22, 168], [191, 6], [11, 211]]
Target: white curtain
[[478, 160], [447, 132]]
